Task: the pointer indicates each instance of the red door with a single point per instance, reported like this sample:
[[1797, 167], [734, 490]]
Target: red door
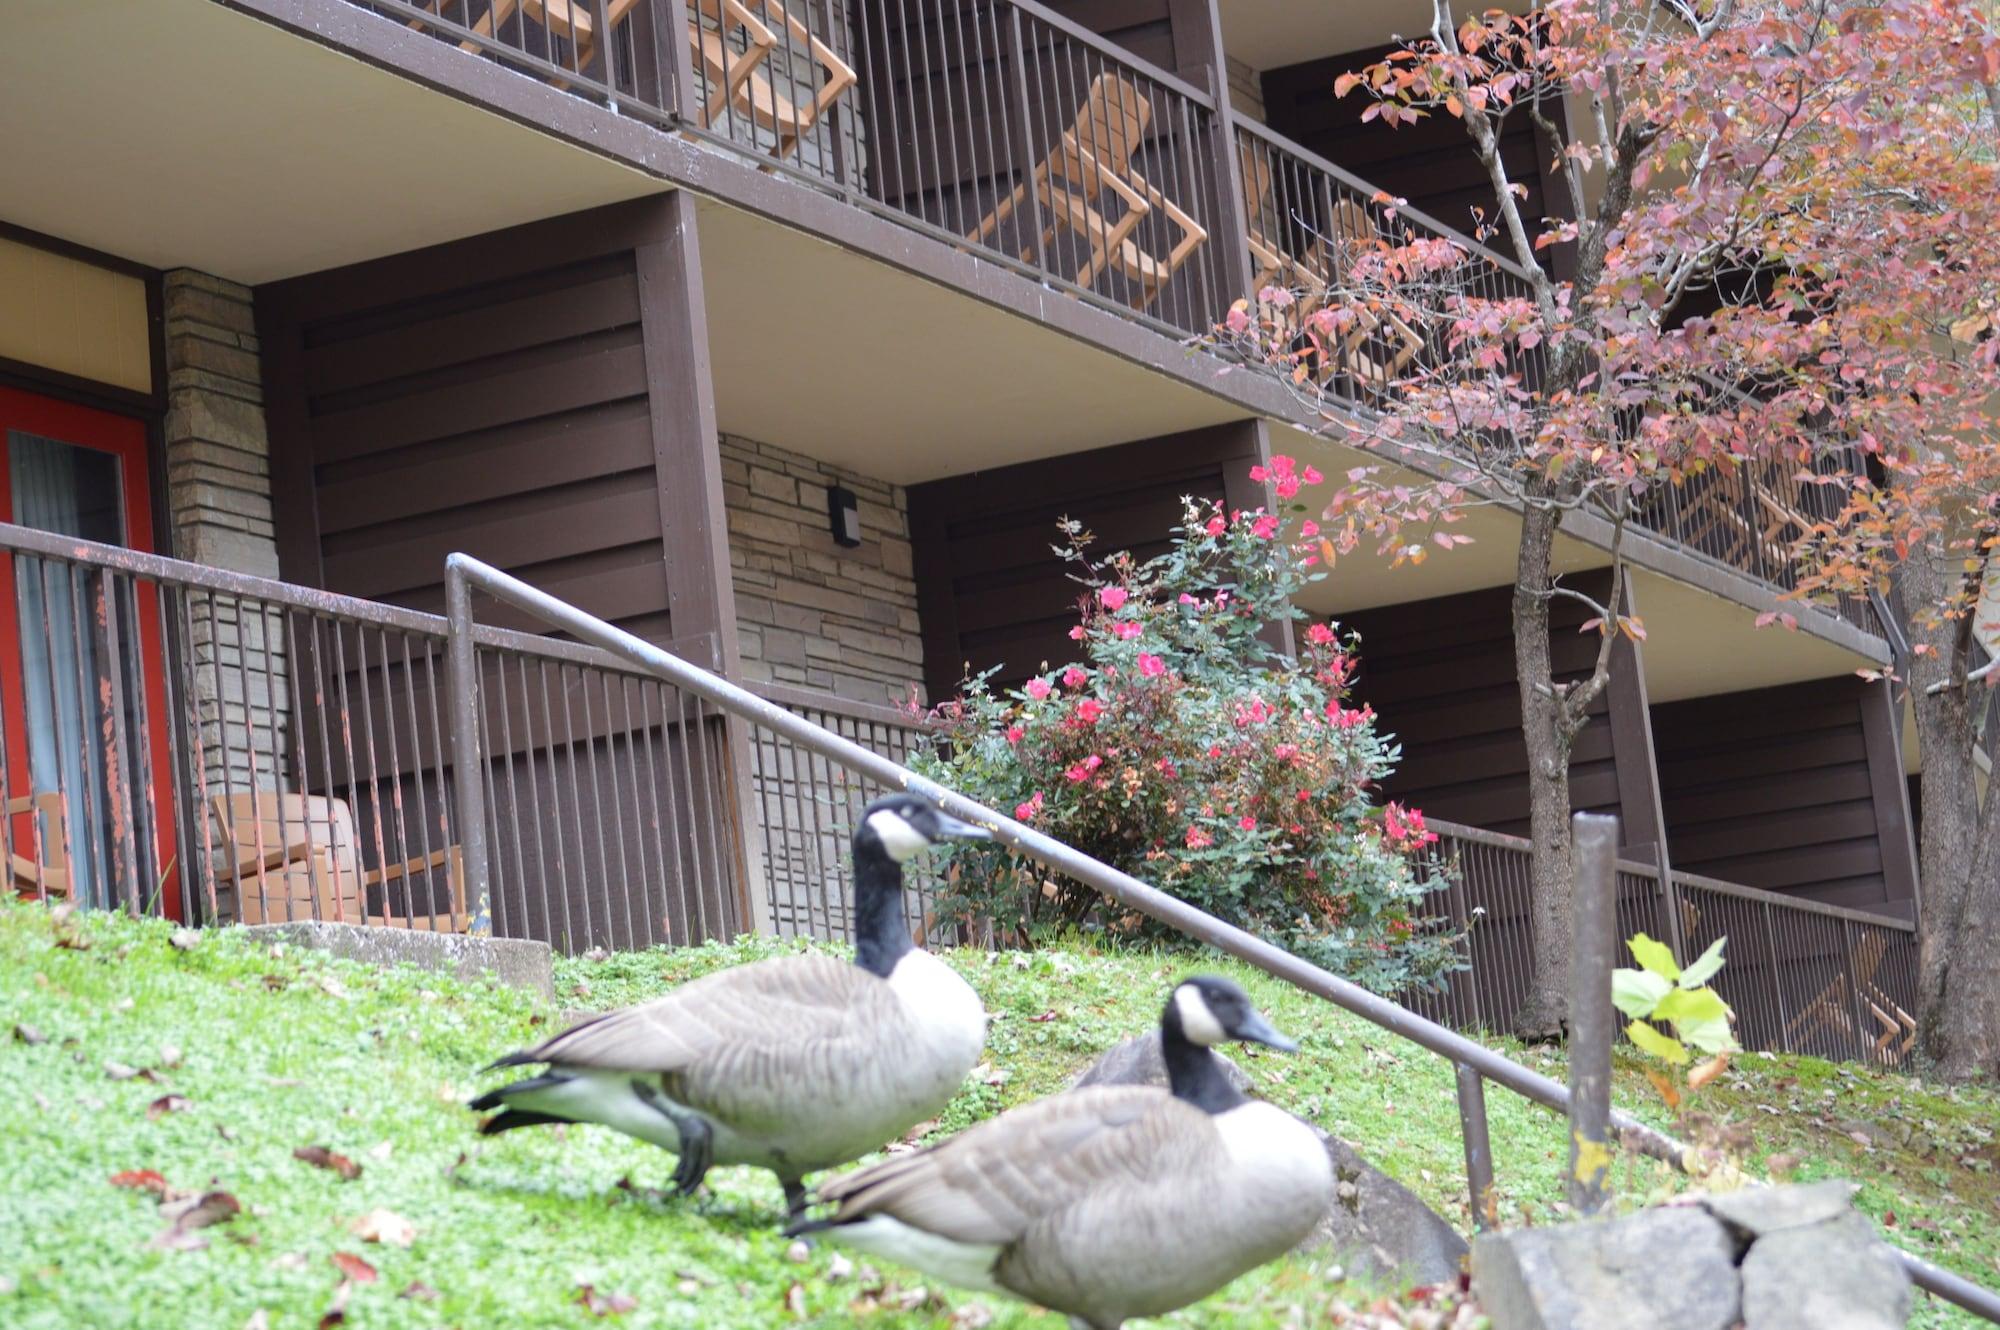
[[75, 471]]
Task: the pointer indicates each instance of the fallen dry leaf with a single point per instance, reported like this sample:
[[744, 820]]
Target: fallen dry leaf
[[321, 1157], [187, 939], [170, 1055], [604, 1304], [1707, 1071], [354, 1268], [381, 1151], [165, 1104], [418, 1291], [192, 1215], [386, 1227], [141, 1179], [291, 1260], [795, 1300], [28, 1034], [118, 1071], [259, 1320], [336, 1311], [1044, 1018]]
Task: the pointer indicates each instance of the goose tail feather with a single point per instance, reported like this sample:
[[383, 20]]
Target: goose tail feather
[[499, 1098]]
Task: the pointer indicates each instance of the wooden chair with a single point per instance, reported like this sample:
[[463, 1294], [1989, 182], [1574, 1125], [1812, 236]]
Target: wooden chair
[[296, 856], [567, 19], [48, 875], [1091, 159], [1829, 1007], [741, 79]]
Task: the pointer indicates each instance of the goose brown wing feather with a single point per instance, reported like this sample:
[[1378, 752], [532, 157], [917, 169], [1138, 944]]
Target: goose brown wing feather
[[996, 1182]]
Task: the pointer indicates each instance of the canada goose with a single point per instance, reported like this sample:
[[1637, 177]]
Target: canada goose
[[793, 1064], [1107, 1202]]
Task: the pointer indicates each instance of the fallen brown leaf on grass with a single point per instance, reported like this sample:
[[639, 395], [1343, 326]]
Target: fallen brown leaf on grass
[[192, 1215], [118, 1071], [386, 1227], [165, 1104], [795, 1300], [354, 1268], [336, 1311], [604, 1304], [28, 1034], [418, 1291], [321, 1157], [186, 939]]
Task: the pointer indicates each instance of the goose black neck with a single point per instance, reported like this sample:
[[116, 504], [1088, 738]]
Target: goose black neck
[[1194, 1073], [880, 936]]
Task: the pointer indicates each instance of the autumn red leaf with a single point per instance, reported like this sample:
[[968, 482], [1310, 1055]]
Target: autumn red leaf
[[604, 1304], [140, 1179], [165, 1104], [321, 1157], [354, 1268]]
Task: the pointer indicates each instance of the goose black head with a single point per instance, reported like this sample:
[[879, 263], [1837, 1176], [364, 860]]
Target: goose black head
[[903, 826], [1207, 1010]]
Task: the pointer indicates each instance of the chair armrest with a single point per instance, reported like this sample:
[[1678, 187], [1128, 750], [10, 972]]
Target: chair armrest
[[422, 863]]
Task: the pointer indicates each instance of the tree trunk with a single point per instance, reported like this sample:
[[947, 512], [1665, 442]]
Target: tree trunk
[[1958, 975], [1548, 743]]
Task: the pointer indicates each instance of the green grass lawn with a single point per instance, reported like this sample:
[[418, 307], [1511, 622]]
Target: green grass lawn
[[246, 1053]]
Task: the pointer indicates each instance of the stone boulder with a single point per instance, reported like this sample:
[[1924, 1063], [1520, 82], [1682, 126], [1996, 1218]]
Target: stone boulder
[[1138, 1061], [1668, 1269], [1376, 1226], [1771, 1258]]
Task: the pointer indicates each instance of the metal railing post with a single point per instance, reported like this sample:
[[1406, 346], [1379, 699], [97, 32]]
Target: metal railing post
[[1478, 1143], [1594, 939], [462, 681]]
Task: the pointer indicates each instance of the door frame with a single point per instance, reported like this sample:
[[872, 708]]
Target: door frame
[[128, 439]]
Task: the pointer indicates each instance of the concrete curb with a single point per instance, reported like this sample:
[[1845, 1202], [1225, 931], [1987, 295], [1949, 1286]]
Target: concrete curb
[[514, 961]]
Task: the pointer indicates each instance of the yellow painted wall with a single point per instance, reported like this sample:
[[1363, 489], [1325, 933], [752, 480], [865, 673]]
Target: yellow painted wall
[[63, 314]]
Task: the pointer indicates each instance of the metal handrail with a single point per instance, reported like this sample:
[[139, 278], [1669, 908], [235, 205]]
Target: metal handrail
[[1474, 1062]]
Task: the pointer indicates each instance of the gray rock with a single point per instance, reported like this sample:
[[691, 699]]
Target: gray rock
[[1833, 1275], [1756, 1211], [1376, 1226], [514, 961], [1380, 1230], [1137, 1061], [1672, 1268]]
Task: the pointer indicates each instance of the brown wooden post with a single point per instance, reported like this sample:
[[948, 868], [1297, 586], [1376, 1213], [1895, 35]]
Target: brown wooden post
[[1894, 829], [1199, 58], [687, 464], [1640, 812], [1593, 846]]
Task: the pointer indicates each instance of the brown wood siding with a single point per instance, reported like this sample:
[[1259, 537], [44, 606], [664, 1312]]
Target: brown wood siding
[[1440, 675], [1772, 788], [1430, 163], [990, 589]]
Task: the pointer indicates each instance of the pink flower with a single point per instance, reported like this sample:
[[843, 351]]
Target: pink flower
[[1080, 772], [1076, 633], [1405, 827], [1197, 839], [1264, 527], [1308, 529], [1038, 689], [1127, 630], [1112, 597], [1074, 677], [1025, 812], [1186, 599], [1344, 718], [1246, 823], [1151, 666], [1285, 752], [1312, 476], [1254, 712], [1287, 486], [1259, 474], [1166, 768], [1013, 734], [1216, 526], [1319, 634], [1089, 710]]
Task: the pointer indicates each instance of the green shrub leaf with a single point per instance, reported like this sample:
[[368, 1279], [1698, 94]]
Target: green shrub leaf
[[1637, 992], [1654, 956], [1704, 967], [1661, 1046]]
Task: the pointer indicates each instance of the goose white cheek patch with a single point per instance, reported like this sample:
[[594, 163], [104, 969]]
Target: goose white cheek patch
[[898, 837], [1198, 1023]]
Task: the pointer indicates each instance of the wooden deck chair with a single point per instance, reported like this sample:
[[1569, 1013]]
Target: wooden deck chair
[[1093, 159], [49, 874], [296, 856], [1829, 1005], [568, 19], [1376, 345], [741, 79], [1270, 264]]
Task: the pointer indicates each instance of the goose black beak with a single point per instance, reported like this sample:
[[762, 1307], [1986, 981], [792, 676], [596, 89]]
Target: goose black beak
[[951, 828], [1256, 1030]]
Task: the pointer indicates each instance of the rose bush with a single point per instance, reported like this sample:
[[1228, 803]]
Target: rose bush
[[1187, 750]]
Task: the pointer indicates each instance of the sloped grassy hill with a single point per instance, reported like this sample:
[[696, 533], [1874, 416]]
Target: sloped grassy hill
[[245, 1054]]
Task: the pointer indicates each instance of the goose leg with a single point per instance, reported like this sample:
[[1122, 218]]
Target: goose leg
[[796, 1199], [697, 1152]]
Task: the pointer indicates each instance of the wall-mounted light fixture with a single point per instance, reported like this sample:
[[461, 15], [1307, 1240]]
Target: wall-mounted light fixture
[[843, 515]]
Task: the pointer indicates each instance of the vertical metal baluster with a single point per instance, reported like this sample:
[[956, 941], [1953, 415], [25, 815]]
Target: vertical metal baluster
[[403, 855], [85, 798], [988, 170], [366, 689], [656, 812], [424, 850], [1478, 1143], [336, 628], [671, 810], [692, 771], [489, 778], [503, 705], [109, 693], [153, 873], [457, 887], [617, 807], [199, 746], [539, 810], [641, 882]]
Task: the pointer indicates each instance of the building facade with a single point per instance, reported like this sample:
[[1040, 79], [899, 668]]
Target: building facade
[[779, 333]]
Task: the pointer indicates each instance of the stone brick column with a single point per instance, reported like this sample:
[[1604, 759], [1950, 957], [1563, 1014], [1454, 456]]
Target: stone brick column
[[219, 504]]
